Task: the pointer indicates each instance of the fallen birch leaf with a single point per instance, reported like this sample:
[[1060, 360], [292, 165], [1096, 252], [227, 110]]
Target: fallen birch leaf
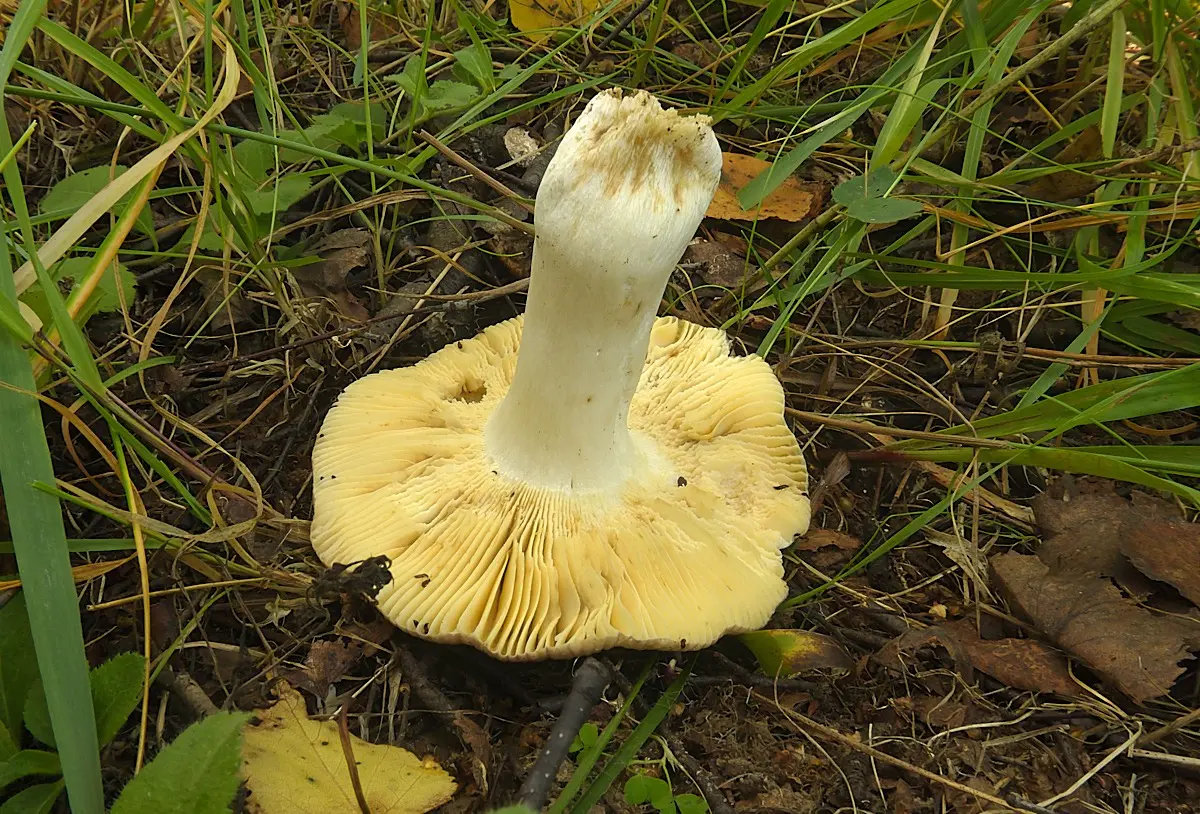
[[1088, 617], [794, 200], [294, 765], [787, 653], [531, 15]]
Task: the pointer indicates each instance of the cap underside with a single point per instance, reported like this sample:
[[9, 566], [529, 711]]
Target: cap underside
[[686, 552]]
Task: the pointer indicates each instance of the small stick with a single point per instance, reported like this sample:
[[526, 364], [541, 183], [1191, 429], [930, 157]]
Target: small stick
[[717, 803], [589, 684], [351, 765], [795, 719], [454, 157], [622, 24]]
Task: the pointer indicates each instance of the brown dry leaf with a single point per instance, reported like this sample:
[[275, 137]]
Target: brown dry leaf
[[965, 554], [823, 538], [1024, 664], [793, 201], [381, 27], [341, 253], [1167, 550], [716, 263], [1084, 532], [294, 765], [1135, 650], [1066, 184], [327, 663]]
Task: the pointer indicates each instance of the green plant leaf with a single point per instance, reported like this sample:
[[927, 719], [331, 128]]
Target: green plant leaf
[[37, 799], [445, 94], [116, 690], [72, 192], [37, 716], [872, 185], [27, 763], [197, 773], [883, 210], [691, 804], [279, 195], [18, 665], [476, 62], [588, 734], [8, 746], [642, 788], [67, 273]]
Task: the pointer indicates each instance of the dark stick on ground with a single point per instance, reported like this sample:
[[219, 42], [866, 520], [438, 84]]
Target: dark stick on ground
[[717, 803], [469, 732], [622, 24], [585, 693]]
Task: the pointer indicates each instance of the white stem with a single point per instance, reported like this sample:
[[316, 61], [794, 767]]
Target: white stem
[[620, 200]]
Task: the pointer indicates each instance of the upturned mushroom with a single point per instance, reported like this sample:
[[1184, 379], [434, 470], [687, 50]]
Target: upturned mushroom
[[585, 476]]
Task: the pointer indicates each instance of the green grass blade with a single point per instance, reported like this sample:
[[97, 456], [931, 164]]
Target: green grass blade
[[35, 518]]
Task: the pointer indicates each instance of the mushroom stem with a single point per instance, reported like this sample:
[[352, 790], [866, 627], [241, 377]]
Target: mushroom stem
[[622, 197]]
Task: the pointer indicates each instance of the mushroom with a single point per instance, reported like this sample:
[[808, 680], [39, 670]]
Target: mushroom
[[586, 476]]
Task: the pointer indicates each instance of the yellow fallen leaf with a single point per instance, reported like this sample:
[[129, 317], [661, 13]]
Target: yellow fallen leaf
[[294, 765], [531, 15], [794, 200]]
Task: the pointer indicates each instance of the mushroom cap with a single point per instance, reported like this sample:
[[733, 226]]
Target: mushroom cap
[[687, 550]]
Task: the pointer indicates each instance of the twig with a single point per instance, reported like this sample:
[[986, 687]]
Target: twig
[[1170, 728], [351, 763], [469, 732], [1093, 20], [795, 720], [474, 171], [717, 803], [589, 683], [879, 429], [622, 24]]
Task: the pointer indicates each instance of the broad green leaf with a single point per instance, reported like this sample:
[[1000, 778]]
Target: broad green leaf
[[18, 665], [691, 804], [197, 773], [279, 195], [67, 273], [642, 788], [74, 191], [476, 62], [116, 690], [37, 716], [883, 210], [29, 763], [874, 184], [445, 94], [37, 799], [8, 746]]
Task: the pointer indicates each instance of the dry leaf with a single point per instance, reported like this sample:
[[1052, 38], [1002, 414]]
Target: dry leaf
[[294, 765], [1168, 551], [1021, 663], [531, 15], [341, 253], [1066, 184], [716, 263], [787, 653], [1084, 532], [963, 553], [1134, 649], [822, 538], [325, 664], [794, 200]]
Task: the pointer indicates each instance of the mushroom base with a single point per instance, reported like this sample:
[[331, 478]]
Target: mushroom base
[[683, 552]]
